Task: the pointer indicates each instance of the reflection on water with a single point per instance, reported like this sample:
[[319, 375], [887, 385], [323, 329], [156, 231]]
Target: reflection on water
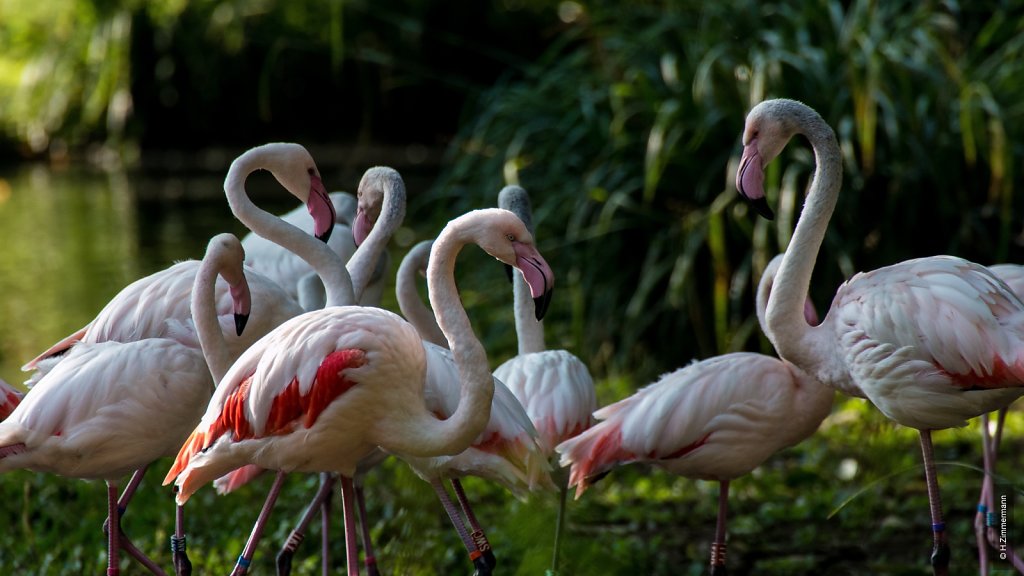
[[73, 238]]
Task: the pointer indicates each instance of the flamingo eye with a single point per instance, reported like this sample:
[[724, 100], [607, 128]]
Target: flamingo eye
[[311, 171], [511, 237]]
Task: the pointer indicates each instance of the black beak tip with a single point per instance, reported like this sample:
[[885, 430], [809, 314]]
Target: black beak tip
[[541, 303], [240, 321], [760, 206], [326, 235]]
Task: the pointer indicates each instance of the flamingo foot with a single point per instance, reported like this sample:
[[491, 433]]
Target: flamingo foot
[[182, 565], [940, 559]]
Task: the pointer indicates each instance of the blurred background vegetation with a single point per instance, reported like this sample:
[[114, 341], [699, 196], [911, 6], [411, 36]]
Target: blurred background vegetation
[[119, 118]]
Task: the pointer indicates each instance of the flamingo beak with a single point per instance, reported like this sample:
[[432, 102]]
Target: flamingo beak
[[538, 276], [750, 180], [361, 227], [321, 209], [242, 305]]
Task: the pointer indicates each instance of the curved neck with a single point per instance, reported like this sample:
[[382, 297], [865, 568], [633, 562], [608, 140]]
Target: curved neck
[[476, 383], [409, 301], [363, 262], [327, 264], [785, 315], [204, 316]]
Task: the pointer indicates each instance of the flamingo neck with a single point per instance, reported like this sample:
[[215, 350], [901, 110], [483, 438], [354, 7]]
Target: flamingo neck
[[529, 330], [784, 318], [204, 315], [317, 254], [409, 301], [476, 383], [364, 261]]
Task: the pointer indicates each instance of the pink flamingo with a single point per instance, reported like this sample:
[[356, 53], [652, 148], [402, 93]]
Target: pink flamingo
[[716, 419], [506, 452], [985, 521], [9, 398], [380, 211], [554, 386], [931, 342], [325, 389], [110, 409]]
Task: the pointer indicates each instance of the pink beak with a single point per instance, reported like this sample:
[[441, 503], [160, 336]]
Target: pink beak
[[321, 209], [537, 274], [750, 180]]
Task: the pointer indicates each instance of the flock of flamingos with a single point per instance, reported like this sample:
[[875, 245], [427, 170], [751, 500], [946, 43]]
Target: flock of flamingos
[[319, 379]]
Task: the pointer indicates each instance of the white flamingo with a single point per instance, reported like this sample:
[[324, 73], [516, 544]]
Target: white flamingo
[[554, 386], [716, 419], [327, 388], [110, 409], [986, 519], [506, 452], [931, 342]]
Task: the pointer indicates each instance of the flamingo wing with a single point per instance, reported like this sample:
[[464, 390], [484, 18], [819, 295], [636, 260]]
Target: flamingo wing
[[718, 418], [932, 341], [10, 397]]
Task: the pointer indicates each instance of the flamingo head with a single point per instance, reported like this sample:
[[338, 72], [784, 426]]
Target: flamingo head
[[503, 235], [377, 185], [769, 127], [294, 168]]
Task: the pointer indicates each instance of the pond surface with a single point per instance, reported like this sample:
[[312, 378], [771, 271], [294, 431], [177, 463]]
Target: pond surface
[[73, 237]]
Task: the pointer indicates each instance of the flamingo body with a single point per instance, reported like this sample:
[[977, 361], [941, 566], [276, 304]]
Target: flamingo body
[[716, 419]]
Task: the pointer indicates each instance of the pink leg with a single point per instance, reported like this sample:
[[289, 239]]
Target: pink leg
[[113, 568], [124, 543], [325, 525], [478, 536], [455, 516], [940, 548], [347, 507], [718, 546], [298, 534], [370, 560], [980, 530], [242, 566]]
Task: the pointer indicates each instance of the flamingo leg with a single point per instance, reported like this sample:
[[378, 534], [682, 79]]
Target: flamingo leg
[[563, 490], [179, 556], [456, 518], [298, 534], [370, 560], [123, 542], [980, 529], [718, 546], [113, 564], [245, 559], [940, 548], [325, 524], [478, 536], [351, 547]]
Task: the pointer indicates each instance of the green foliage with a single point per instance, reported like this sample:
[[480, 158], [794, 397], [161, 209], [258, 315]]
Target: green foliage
[[626, 134]]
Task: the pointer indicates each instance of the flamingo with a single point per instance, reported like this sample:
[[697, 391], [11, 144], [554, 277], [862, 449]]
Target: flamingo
[[9, 398], [112, 408], [380, 211], [985, 521], [554, 386], [326, 388], [506, 452], [931, 342], [286, 268], [716, 419]]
